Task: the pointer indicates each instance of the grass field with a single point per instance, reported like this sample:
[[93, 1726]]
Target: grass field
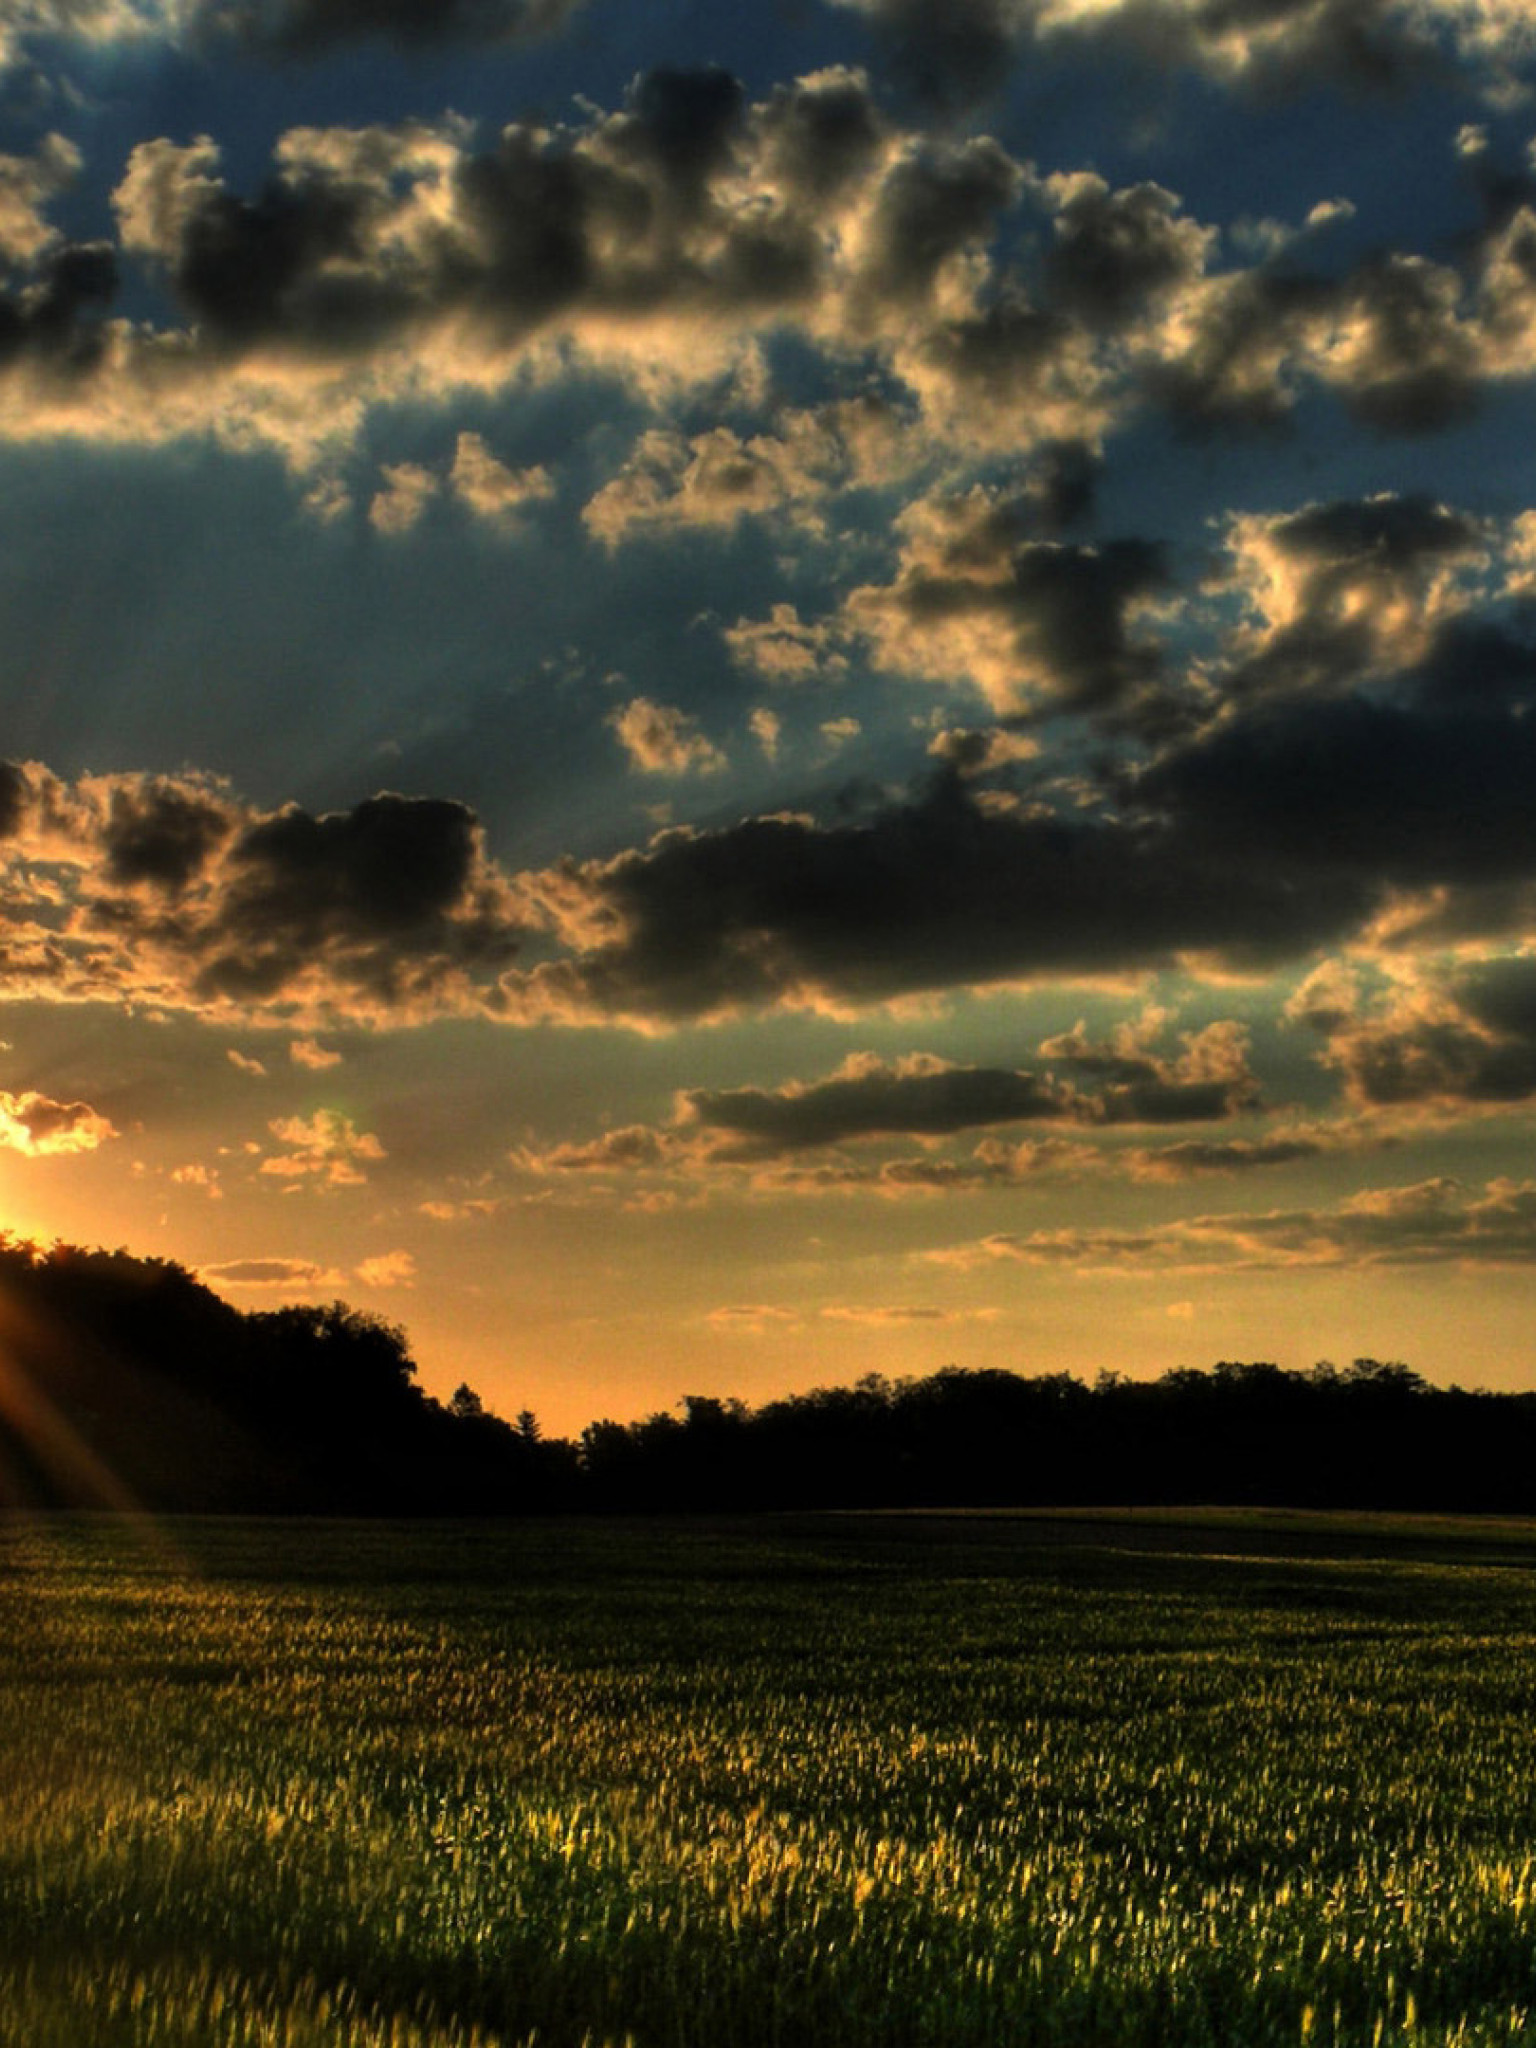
[[869, 1781]]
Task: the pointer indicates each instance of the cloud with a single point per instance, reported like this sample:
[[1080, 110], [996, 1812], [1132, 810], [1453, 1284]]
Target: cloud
[[662, 242], [388, 1269], [1274, 832], [327, 1147], [634, 1148], [1034, 625], [921, 1095], [1432, 1222], [767, 728], [716, 478], [312, 27], [1193, 1157], [489, 487], [168, 891], [308, 1052], [246, 1064], [197, 1176], [948, 58], [41, 1128], [929, 894], [408, 490], [867, 1097], [1342, 591], [1117, 255], [751, 1319], [970, 752], [92, 22], [278, 28], [1440, 1038], [786, 649], [661, 740], [299, 1276], [896, 1318], [1412, 796], [963, 53], [27, 185], [458, 1211], [1407, 344], [985, 308]]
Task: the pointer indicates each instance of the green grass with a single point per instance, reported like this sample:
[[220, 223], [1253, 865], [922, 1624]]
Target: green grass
[[895, 1780]]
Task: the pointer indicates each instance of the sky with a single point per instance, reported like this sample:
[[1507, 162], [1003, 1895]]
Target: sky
[[704, 698]]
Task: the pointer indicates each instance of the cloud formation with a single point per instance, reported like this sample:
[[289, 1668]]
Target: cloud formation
[[326, 1147], [961, 54], [936, 892], [169, 892], [922, 1096], [1432, 1222], [40, 1128], [298, 1276], [1035, 625], [309, 28], [954, 299], [1440, 1038], [661, 740]]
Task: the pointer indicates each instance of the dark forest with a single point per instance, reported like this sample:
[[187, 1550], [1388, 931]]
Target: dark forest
[[124, 1382]]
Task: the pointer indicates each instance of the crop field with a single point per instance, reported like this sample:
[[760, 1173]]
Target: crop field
[[877, 1782]]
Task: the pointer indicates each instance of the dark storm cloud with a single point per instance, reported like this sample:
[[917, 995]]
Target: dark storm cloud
[[169, 891], [1354, 787], [926, 1097], [1072, 606], [388, 888], [683, 120], [1389, 534], [934, 893], [53, 315], [161, 832], [1063, 485], [15, 790], [1476, 664], [869, 1098], [246, 268], [311, 27], [1285, 824]]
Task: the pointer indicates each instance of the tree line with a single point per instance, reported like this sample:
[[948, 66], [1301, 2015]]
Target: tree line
[[124, 1381]]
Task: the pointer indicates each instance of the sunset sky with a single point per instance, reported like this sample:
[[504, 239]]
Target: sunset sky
[[706, 698]]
